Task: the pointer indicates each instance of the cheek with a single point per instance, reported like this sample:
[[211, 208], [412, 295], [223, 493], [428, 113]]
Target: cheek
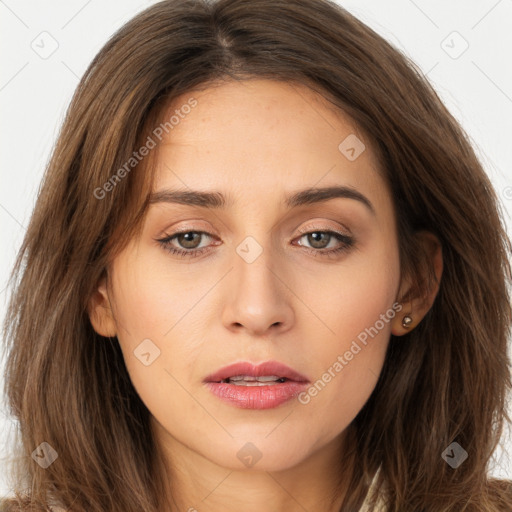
[[360, 290], [149, 303], [156, 314], [358, 310], [364, 297]]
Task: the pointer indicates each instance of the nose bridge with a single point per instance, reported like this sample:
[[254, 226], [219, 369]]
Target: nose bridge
[[254, 269], [255, 249]]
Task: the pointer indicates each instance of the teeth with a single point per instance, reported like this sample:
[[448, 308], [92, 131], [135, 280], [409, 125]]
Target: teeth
[[255, 383], [248, 380]]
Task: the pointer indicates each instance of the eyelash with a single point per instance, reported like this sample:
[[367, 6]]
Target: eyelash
[[347, 243]]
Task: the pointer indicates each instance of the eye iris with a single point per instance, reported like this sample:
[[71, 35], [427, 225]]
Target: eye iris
[[189, 239], [313, 239]]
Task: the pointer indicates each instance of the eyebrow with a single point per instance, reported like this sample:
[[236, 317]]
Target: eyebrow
[[216, 200]]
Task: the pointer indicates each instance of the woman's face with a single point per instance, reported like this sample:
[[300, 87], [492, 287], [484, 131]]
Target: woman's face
[[266, 273]]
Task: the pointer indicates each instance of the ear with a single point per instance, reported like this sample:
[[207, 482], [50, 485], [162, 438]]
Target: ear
[[100, 312], [420, 295]]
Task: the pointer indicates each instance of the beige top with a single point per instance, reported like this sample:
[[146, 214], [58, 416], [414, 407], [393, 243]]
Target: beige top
[[371, 491]]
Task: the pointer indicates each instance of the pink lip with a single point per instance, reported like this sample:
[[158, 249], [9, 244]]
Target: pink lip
[[256, 397]]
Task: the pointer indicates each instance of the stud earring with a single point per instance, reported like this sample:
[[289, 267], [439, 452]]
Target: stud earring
[[406, 321]]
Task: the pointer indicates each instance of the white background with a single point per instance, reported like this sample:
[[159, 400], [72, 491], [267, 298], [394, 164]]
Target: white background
[[34, 93]]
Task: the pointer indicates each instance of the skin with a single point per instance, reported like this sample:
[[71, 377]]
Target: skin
[[257, 141]]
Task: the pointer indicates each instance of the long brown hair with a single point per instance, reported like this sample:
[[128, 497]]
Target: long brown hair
[[446, 381]]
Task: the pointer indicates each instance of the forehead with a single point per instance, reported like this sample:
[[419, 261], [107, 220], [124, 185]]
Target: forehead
[[263, 137]]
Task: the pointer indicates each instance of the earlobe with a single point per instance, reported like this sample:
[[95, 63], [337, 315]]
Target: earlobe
[[100, 312], [417, 307], [404, 322]]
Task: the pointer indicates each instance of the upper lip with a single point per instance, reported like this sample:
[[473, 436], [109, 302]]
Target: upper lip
[[259, 370]]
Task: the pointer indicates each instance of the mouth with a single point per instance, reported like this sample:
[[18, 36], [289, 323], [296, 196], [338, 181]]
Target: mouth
[[262, 386], [245, 373]]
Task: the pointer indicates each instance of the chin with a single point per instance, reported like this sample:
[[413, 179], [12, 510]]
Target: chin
[[258, 452]]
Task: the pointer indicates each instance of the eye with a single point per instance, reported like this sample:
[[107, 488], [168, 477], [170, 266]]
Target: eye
[[189, 242], [319, 240]]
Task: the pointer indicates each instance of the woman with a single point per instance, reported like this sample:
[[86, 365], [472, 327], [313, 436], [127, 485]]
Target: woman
[[265, 270]]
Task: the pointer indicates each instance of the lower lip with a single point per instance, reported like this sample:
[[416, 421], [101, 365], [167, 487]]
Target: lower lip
[[257, 397]]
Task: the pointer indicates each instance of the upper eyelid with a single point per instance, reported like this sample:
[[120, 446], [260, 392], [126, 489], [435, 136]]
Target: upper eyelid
[[302, 231], [325, 228]]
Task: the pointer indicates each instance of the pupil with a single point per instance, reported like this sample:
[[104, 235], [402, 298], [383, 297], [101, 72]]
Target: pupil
[[189, 239], [316, 239]]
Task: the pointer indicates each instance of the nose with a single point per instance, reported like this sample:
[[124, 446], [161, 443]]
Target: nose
[[259, 295]]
